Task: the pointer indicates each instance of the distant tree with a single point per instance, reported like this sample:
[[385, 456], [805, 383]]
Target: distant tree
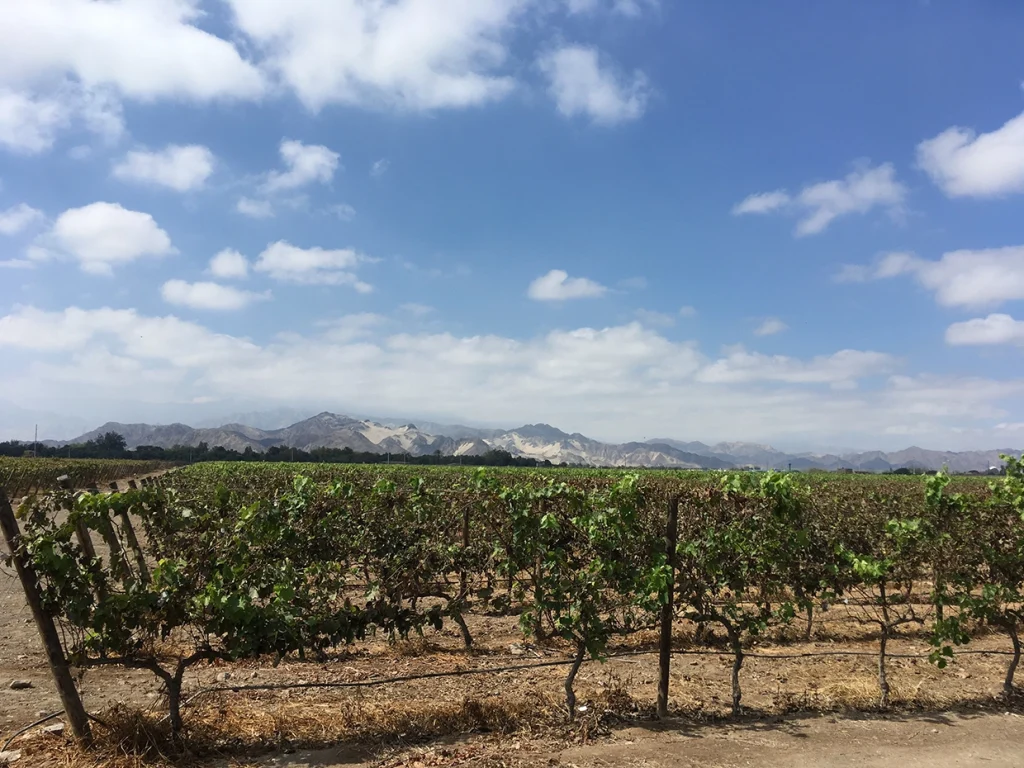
[[113, 442]]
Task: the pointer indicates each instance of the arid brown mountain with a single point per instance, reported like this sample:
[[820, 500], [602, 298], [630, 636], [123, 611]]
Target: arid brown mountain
[[539, 441]]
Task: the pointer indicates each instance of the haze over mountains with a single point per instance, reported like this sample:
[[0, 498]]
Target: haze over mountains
[[539, 441]]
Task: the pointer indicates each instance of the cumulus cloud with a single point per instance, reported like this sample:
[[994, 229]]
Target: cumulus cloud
[[619, 382], [305, 163], [994, 329], [18, 218], [380, 167], [410, 55], [582, 85], [762, 202], [181, 168], [312, 266], [103, 235], [343, 211], [255, 209], [556, 285], [229, 264], [69, 63], [841, 369], [30, 122], [818, 205], [961, 278], [144, 50], [629, 8], [770, 326], [212, 296], [964, 164]]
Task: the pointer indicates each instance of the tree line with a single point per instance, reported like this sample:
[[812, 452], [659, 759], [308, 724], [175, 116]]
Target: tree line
[[112, 445]]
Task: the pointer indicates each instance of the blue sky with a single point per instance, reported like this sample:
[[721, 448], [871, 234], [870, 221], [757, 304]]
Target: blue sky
[[776, 222]]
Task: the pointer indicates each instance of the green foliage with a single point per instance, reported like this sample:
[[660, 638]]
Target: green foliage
[[248, 560]]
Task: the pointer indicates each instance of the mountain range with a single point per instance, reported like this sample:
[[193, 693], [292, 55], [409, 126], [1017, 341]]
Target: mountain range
[[539, 441]]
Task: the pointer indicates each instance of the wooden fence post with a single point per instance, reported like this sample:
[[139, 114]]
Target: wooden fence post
[[118, 563], [133, 540], [83, 536], [463, 576], [665, 650], [69, 697]]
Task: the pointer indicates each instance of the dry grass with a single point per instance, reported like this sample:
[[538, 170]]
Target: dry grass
[[240, 728], [246, 727], [862, 695]]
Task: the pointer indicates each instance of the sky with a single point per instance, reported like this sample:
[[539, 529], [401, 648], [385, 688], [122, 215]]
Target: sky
[[787, 223]]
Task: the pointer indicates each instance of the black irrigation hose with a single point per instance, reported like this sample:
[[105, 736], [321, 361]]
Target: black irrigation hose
[[495, 670], [561, 662], [46, 719], [29, 727]]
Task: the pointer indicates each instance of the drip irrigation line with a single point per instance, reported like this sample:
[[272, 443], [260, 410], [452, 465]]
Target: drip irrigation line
[[29, 727], [544, 664]]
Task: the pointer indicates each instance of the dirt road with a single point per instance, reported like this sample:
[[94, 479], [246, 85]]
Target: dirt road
[[817, 741]]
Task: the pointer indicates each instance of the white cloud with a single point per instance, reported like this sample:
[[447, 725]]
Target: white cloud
[[145, 49], [763, 202], [181, 168], [582, 86], [652, 318], [348, 328], [312, 266], [165, 339], [842, 368], [613, 383], [380, 167], [818, 205], [229, 264], [994, 329], [255, 209], [630, 8], [556, 285], [306, 163], [770, 326], [211, 296], [687, 311], [410, 55], [959, 279], [17, 264], [29, 124], [343, 211], [419, 310], [964, 164], [104, 235], [18, 218]]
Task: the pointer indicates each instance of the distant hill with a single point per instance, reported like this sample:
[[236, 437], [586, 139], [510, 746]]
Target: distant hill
[[538, 441]]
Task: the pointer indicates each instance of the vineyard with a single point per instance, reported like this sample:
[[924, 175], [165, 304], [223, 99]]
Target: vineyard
[[226, 566], [22, 476]]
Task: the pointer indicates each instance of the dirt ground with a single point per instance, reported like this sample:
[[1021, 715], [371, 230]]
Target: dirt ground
[[810, 709], [811, 741]]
